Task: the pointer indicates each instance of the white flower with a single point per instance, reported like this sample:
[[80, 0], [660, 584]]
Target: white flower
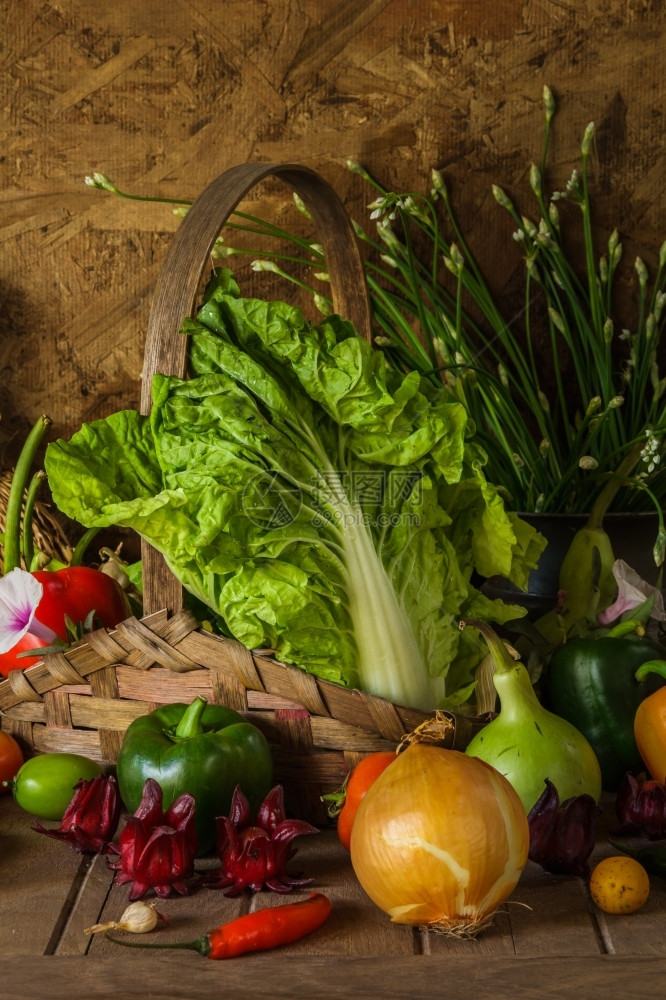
[[265, 265], [20, 593], [650, 453], [101, 181]]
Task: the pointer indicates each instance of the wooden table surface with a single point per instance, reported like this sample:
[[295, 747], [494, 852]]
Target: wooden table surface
[[549, 940]]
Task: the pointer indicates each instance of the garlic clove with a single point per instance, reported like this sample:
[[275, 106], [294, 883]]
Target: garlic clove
[[138, 918]]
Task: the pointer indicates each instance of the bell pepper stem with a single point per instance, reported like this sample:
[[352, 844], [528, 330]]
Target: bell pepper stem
[[190, 723], [651, 667], [12, 551], [628, 627]]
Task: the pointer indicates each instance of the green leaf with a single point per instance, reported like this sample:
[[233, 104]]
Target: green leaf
[[320, 504]]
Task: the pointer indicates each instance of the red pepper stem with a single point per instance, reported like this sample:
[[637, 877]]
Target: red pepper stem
[[190, 723], [12, 550], [651, 667], [202, 944]]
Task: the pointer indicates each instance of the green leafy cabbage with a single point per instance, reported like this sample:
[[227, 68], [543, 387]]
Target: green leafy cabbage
[[322, 504]]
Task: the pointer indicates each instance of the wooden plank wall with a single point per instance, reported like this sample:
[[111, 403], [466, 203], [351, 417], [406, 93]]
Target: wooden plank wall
[[161, 95]]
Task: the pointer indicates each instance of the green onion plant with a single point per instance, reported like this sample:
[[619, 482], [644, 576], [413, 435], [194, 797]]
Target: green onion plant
[[559, 392]]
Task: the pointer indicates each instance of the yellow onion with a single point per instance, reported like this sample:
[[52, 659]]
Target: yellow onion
[[440, 840]]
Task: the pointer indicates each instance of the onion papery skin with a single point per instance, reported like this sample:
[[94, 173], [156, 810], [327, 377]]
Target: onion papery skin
[[440, 840]]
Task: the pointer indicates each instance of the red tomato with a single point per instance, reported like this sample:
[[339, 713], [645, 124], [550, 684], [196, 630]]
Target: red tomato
[[363, 775], [76, 591], [11, 759], [10, 661]]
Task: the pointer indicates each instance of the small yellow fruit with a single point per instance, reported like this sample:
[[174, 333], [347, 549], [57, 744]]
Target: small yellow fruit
[[619, 885]]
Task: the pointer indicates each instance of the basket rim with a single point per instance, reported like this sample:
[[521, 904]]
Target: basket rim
[[176, 641]]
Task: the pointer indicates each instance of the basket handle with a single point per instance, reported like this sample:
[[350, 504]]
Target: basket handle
[[180, 279]]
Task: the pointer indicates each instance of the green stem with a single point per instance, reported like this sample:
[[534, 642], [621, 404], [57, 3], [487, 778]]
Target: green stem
[[190, 723], [605, 498], [201, 945], [144, 197], [82, 545], [504, 662], [334, 801], [511, 678], [593, 288], [629, 627], [12, 552], [418, 354], [27, 541], [651, 667]]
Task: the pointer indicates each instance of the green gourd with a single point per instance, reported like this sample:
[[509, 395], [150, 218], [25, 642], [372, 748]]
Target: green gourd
[[527, 743]]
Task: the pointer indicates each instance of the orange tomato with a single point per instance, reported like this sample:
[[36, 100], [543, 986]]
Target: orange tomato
[[11, 759], [358, 781]]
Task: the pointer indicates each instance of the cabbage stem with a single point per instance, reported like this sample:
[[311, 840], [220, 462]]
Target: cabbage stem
[[390, 663]]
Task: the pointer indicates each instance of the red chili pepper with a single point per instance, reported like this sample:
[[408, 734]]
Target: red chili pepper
[[74, 592], [259, 931], [269, 928]]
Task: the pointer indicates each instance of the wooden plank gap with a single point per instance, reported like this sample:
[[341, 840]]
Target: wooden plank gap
[[599, 924], [69, 904]]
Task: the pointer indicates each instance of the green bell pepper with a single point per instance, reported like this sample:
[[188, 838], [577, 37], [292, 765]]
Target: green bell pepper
[[591, 683], [203, 749]]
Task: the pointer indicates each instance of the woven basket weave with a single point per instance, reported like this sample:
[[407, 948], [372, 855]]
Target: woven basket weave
[[83, 699]]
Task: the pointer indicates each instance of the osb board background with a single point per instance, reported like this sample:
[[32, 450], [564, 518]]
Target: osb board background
[[162, 95]]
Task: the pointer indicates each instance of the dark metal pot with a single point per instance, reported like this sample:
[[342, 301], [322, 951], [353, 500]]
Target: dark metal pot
[[632, 537]]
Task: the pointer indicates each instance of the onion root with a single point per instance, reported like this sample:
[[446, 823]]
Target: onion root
[[461, 929]]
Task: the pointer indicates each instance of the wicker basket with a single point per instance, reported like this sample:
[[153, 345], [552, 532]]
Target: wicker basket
[[83, 699]]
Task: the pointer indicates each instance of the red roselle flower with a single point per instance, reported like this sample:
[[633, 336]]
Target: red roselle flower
[[157, 849], [90, 821], [256, 855], [640, 806], [562, 836]]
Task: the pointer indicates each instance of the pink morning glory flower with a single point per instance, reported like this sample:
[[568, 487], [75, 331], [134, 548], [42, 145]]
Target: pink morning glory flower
[[20, 594], [631, 592]]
